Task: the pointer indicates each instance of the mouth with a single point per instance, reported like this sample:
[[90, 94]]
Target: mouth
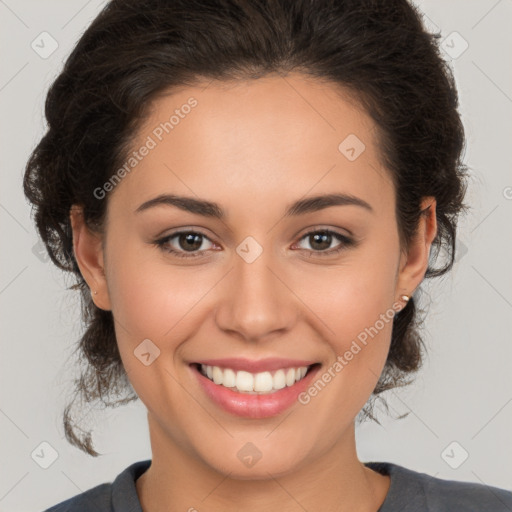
[[260, 383], [254, 389]]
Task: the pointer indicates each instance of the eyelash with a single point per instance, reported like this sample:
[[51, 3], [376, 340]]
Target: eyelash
[[346, 243]]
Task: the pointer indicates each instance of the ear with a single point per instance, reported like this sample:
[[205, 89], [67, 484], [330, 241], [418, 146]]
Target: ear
[[88, 251], [414, 264]]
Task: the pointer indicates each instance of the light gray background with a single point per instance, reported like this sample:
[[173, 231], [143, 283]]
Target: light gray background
[[464, 392]]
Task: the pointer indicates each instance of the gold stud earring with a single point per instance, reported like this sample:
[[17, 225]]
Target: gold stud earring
[[405, 298]]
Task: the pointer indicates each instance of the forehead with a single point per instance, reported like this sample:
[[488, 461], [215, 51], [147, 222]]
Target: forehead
[[280, 136]]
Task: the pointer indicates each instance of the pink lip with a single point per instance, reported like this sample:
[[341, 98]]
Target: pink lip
[[252, 366], [254, 406]]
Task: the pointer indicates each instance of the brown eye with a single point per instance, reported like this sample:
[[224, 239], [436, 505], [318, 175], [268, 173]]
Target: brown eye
[[190, 241], [320, 242], [183, 242]]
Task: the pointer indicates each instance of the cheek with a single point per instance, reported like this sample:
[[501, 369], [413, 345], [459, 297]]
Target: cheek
[[357, 316], [150, 299], [350, 298], [352, 304], [154, 300]]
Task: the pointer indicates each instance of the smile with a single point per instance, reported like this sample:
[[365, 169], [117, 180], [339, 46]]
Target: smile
[[254, 383], [254, 389]]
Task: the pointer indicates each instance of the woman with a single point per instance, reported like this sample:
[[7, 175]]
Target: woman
[[248, 193]]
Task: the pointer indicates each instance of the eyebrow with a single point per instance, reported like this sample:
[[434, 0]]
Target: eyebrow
[[211, 209]]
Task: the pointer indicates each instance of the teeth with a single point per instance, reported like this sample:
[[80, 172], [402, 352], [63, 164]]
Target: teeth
[[218, 375], [279, 380], [245, 382], [263, 382], [229, 378]]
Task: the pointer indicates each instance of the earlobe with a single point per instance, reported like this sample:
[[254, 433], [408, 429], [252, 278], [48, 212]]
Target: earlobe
[[413, 271], [88, 251]]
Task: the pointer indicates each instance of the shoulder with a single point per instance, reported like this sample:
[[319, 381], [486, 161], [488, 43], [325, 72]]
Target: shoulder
[[428, 493], [120, 495], [455, 495]]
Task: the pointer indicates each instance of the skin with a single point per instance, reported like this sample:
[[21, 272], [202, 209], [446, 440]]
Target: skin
[[254, 148]]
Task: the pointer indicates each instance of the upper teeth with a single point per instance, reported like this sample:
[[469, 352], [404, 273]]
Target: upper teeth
[[254, 382]]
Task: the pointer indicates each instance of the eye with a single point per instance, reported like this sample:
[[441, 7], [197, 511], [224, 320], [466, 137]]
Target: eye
[[184, 244], [320, 240], [190, 244]]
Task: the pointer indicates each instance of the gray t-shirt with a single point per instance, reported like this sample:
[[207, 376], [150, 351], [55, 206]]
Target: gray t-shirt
[[410, 491]]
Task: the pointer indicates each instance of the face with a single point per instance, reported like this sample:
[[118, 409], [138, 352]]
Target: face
[[253, 284]]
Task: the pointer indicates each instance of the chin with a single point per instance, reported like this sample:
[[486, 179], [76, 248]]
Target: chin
[[253, 461]]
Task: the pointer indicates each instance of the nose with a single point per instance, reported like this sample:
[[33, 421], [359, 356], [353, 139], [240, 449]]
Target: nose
[[256, 302]]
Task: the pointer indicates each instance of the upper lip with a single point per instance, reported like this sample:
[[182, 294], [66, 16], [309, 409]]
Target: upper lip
[[256, 366]]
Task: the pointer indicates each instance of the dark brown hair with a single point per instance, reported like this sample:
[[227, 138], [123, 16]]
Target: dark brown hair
[[136, 50]]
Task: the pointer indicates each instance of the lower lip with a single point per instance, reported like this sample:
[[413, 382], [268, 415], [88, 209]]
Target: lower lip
[[254, 406]]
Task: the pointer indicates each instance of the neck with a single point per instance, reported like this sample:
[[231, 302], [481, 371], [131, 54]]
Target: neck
[[337, 481]]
